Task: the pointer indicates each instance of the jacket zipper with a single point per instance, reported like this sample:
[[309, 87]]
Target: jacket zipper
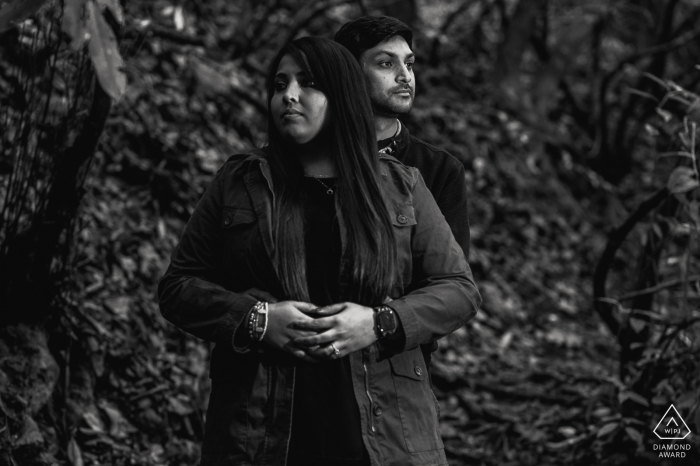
[[291, 414], [369, 396]]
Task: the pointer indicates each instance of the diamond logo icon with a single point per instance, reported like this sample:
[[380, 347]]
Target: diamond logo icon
[[672, 426]]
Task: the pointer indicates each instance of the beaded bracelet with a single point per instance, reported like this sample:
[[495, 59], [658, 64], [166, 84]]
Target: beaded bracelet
[[252, 322], [261, 328], [257, 322]]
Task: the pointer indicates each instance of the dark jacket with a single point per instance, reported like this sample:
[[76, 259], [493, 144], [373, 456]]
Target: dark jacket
[[213, 281], [444, 176]]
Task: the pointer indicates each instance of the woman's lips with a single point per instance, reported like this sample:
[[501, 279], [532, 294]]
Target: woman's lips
[[291, 113]]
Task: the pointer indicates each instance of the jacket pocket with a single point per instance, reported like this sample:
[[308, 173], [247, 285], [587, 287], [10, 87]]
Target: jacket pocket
[[416, 402], [403, 219], [238, 225], [232, 216]]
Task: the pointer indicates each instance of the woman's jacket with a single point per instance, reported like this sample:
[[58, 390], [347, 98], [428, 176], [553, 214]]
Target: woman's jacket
[[223, 266]]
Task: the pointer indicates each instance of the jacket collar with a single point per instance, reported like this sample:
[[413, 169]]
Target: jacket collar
[[403, 138], [259, 156]]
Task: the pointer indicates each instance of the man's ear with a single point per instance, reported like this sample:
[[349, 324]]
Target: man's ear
[[362, 60]]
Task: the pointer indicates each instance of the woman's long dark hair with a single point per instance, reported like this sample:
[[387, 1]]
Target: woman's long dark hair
[[370, 252]]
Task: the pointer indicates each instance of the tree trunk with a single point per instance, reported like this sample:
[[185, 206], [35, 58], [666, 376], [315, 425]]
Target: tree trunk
[[521, 27]]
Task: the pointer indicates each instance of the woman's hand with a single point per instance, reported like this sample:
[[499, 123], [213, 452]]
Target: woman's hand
[[347, 326], [285, 324]]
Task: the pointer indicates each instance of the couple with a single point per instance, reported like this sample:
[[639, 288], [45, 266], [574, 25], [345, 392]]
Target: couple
[[320, 264]]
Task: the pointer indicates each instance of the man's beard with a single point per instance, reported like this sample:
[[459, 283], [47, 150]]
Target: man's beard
[[386, 108]]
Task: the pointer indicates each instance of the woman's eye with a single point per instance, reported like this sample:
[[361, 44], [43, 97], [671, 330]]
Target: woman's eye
[[280, 86], [308, 83], [385, 64]]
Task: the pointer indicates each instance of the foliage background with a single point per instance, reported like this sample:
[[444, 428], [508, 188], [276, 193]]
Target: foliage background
[[567, 115]]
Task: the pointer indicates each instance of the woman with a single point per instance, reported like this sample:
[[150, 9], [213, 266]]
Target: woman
[[318, 268]]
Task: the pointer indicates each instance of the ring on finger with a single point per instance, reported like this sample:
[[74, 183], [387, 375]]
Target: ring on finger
[[336, 351]]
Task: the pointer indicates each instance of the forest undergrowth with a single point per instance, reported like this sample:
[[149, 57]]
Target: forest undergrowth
[[534, 379]]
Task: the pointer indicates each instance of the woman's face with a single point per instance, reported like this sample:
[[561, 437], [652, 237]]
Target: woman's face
[[299, 110]]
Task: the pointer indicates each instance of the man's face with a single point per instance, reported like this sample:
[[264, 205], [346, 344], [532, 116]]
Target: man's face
[[388, 67]]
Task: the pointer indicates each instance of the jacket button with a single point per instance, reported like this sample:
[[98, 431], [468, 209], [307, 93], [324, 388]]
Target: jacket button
[[402, 219], [377, 411], [227, 220], [418, 371]]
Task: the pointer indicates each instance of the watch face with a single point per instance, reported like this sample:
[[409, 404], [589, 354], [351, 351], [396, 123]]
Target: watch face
[[387, 321]]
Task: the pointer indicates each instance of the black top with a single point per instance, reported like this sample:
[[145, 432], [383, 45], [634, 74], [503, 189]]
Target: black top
[[325, 415]]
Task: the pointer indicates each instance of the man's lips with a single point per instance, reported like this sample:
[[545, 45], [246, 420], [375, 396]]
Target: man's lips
[[403, 92]]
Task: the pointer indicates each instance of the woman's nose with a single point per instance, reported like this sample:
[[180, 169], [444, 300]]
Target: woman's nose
[[291, 93]]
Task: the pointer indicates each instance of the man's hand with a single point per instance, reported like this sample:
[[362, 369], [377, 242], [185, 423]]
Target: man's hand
[[285, 324], [347, 326]]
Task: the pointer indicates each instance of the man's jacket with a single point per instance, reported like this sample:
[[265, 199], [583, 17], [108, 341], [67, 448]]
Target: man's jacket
[[444, 176], [225, 258]]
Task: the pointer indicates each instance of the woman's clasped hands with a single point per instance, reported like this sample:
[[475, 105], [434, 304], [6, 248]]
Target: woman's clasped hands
[[315, 334]]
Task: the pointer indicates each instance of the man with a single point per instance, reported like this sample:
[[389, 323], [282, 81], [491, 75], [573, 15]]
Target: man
[[383, 47]]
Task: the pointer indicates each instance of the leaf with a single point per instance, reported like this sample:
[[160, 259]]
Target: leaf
[[210, 78], [682, 180], [105, 54], [567, 431], [676, 154], [74, 454], [635, 435], [636, 397], [637, 324], [94, 421], [114, 7], [179, 406], [18, 11], [694, 211], [119, 427], [30, 433], [688, 141], [505, 341], [73, 22], [179, 18], [665, 114], [651, 130], [120, 305], [646, 95], [607, 428]]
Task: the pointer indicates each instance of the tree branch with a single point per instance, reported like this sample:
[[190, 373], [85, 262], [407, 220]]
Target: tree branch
[[659, 287], [615, 240]]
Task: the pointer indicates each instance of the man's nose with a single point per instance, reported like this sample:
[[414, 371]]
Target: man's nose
[[404, 74]]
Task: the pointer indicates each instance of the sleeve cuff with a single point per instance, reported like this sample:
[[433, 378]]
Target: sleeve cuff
[[241, 341]]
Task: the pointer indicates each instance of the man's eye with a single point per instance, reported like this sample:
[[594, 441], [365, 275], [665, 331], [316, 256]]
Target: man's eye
[[409, 65]]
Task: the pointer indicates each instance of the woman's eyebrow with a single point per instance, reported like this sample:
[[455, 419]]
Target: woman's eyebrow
[[393, 55], [285, 75]]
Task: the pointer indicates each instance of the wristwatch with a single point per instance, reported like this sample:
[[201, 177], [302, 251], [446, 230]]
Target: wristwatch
[[384, 321]]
